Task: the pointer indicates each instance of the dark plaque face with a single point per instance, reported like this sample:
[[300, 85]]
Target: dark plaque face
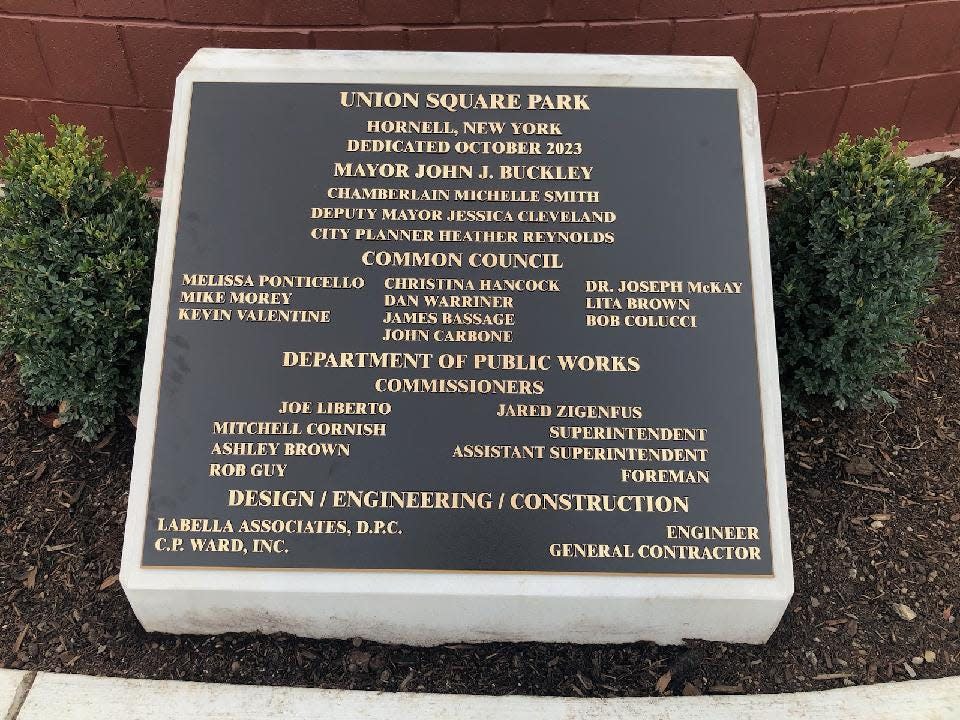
[[461, 329]]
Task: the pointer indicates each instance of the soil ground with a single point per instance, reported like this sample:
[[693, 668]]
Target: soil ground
[[874, 509]]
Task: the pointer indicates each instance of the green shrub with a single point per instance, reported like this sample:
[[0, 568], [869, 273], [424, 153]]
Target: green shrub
[[854, 246], [76, 258]]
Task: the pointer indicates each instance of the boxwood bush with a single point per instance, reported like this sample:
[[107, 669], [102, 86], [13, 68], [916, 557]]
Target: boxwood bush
[[76, 257], [854, 246]]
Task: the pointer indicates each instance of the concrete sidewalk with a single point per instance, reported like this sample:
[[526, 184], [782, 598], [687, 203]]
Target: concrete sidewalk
[[48, 696]]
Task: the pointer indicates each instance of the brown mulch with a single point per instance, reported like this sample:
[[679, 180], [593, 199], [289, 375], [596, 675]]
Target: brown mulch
[[874, 507]]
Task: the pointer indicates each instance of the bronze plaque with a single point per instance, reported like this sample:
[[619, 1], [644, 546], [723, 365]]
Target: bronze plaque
[[461, 329]]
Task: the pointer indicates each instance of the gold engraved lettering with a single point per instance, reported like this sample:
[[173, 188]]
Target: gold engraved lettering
[[270, 498]]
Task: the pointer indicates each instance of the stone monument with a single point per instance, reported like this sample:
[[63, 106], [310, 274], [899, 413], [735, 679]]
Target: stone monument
[[461, 347]]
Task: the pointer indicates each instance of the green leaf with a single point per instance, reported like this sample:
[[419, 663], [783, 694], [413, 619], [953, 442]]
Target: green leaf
[[76, 261], [854, 246]]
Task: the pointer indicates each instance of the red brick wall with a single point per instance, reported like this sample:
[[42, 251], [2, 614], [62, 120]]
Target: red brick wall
[[821, 66]]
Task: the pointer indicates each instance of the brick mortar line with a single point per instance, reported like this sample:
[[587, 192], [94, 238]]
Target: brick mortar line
[[836, 120], [545, 22], [107, 106], [43, 60], [119, 135], [954, 118], [906, 103], [826, 47], [776, 93], [550, 20], [130, 73], [754, 34], [672, 41], [896, 40]]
